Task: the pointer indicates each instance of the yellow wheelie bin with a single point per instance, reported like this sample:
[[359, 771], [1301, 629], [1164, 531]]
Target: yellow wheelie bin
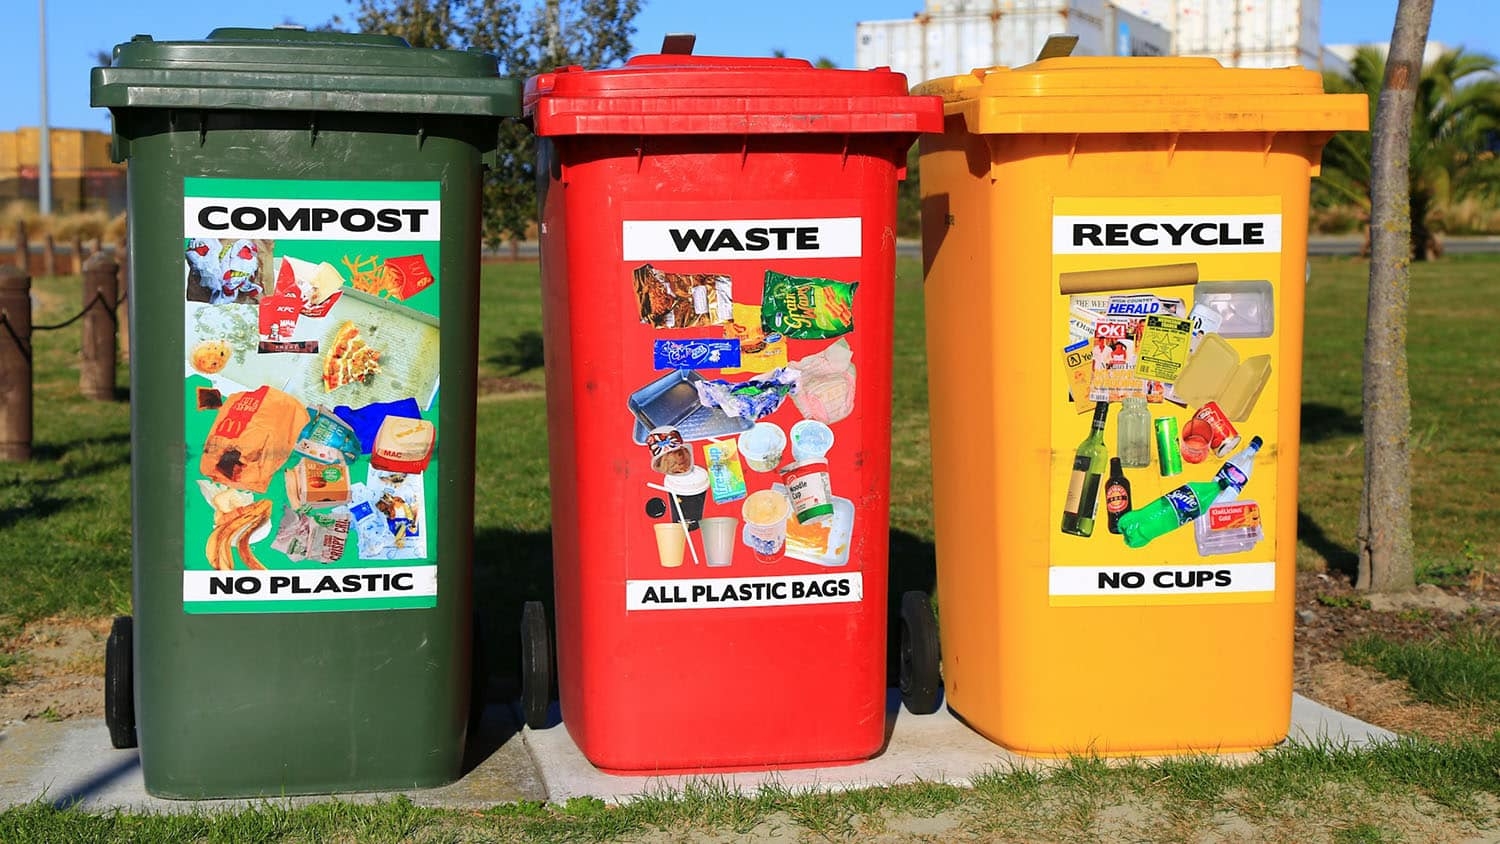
[[1115, 256]]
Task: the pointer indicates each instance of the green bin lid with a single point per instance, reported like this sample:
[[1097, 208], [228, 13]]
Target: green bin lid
[[290, 69]]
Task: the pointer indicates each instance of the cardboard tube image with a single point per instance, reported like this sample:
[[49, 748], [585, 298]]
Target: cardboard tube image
[[1100, 281]]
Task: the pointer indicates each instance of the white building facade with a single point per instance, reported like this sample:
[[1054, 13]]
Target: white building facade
[[954, 36]]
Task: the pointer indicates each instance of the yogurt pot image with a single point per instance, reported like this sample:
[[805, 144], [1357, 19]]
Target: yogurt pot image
[[811, 440], [765, 513], [762, 446]]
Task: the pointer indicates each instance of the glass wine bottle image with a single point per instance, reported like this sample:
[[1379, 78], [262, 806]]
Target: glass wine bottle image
[[1083, 484]]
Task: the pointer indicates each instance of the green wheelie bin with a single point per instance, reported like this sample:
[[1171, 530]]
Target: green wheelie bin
[[304, 252]]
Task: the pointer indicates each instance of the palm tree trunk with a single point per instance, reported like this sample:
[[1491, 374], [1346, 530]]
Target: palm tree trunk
[[1385, 544], [1421, 235]]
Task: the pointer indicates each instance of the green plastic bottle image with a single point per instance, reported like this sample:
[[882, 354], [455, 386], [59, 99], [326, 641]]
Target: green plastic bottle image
[[1083, 485], [1169, 512]]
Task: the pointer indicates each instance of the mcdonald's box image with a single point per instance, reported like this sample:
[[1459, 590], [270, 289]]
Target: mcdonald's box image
[[717, 271], [304, 242], [1132, 539]]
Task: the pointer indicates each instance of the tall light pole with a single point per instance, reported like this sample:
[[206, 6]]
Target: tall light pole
[[44, 156]]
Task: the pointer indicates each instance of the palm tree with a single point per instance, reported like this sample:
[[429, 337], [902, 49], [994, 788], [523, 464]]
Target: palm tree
[[1457, 112]]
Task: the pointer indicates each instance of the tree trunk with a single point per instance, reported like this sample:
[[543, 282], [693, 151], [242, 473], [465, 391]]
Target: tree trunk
[[1421, 235], [1385, 545]]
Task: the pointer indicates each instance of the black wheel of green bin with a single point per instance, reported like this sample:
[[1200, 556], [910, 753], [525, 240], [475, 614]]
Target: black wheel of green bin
[[536, 665], [921, 683], [119, 683]]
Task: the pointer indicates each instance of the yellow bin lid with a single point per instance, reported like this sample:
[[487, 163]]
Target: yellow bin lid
[[1116, 95]]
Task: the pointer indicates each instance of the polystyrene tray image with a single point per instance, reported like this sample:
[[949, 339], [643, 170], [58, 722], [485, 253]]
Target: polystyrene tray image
[[672, 400]]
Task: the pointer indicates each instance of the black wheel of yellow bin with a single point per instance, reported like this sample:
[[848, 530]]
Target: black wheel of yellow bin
[[921, 683], [119, 683], [536, 664]]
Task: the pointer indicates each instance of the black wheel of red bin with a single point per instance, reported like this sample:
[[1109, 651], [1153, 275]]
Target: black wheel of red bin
[[536, 665], [119, 683], [921, 681]]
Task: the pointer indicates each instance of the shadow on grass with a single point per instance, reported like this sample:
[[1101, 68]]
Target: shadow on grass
[[1342, 561], [39, 505], [1324, 421], [519, 354]]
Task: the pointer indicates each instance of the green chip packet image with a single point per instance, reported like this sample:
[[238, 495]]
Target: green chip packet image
[[807, 308]]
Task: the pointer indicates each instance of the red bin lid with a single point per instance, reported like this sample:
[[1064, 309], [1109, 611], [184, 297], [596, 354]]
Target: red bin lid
[[676, 94]]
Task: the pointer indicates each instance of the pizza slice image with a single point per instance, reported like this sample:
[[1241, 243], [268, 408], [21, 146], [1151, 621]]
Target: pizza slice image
[[350, 359]]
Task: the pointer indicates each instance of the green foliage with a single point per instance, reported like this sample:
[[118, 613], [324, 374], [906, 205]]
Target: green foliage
[[1457, 108], [1458, 669], [1344, 602], [527, 39]]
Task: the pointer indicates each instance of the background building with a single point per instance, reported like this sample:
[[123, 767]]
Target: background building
[[954, 36], [83, 177]]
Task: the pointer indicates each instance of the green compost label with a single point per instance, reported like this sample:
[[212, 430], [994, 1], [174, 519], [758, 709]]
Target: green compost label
[[310, 395]]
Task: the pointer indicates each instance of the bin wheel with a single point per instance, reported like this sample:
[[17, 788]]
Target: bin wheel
[[921, 685], [119, 683], [536, 664], [479, 675]]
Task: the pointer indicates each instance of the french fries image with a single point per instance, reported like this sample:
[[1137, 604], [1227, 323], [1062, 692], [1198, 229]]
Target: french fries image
[[232, 532]]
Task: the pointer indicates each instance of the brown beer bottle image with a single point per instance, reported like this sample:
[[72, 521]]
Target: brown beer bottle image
[[1116, 495]]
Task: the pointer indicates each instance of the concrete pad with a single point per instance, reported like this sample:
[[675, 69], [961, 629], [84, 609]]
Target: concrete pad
[[71, 763], [922, 748]]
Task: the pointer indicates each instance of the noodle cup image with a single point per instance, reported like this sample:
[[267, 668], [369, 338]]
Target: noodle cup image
[[810, 491]]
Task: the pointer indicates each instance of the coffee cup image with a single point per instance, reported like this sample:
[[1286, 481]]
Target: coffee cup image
[[762, 446], [670, 541], [718, 539], [688, 492]]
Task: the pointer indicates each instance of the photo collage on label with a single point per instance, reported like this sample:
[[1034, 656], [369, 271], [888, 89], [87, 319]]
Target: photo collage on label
[[320, 383], [1179, 388], [740, 425]]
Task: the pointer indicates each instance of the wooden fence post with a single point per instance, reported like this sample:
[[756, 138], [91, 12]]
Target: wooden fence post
[[123, 252], [15, 365], [96, 374], [23, 248], [79, 255], [49, 257]]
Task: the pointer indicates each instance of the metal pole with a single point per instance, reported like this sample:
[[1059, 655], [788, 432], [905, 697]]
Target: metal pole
[[44, 159]]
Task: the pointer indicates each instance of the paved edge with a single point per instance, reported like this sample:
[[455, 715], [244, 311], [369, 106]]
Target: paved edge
[[71, 763]]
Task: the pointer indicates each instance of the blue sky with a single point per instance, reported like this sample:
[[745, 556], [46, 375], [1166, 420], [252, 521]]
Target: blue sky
[[77, 29]]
